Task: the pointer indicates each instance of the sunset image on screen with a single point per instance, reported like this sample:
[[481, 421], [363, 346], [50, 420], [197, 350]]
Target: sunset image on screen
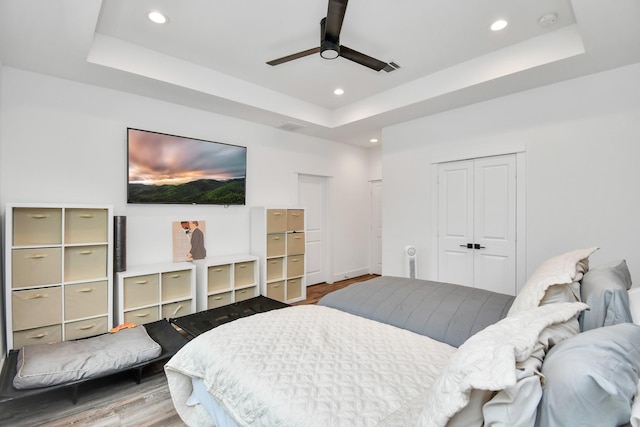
[[172, 169]]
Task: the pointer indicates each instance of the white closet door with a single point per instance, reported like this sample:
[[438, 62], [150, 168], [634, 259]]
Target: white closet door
[[312, 196], [477, 223], [455, 222], [495, 224], [376, 227]]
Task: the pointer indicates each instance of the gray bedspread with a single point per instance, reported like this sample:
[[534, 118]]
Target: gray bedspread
[[442, 311]]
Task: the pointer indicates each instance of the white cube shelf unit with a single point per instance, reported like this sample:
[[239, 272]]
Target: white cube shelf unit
[[278, 238], [147, 293], [225, 280], [58, 272]]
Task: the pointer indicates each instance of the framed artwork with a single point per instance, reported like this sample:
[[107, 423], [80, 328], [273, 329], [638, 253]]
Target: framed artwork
[[188, 240]]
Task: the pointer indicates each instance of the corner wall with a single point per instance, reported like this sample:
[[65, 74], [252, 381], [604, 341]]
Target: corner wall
[[580, 139]]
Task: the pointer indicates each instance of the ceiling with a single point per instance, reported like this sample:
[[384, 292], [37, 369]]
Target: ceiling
[[212, 54]]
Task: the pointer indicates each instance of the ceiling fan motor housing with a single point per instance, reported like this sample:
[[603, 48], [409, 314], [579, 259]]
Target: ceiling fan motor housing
[[329, 48]]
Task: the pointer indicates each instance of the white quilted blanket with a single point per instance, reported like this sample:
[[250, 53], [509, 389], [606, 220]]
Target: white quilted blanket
[[309, 366]]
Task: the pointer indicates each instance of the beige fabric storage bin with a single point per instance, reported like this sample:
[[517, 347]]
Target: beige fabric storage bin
[[86, 328], [276, 220], [36, 307], [176, 309], [275, 290], [43, 335], [276, 244], [295, 220], [85, 262], [218, 300], [140, 291], [275, 269], [85, 226], [35, 267], [245, 294], [37, 226], [295, 266], [85, 300], [295, 243], [142, 316], [294, 288], [176, 285], [244, 273], [219, 277]]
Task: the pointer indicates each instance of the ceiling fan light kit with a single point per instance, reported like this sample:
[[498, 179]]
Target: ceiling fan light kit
[[330, 47], [329, 50]]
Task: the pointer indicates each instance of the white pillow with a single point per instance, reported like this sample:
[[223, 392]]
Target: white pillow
[[489, 359], [558, 275]]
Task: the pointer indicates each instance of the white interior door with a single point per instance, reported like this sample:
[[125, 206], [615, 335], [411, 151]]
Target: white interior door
[[495, 224], [455, 222], [376, 227], [477, 223], [312, 196]]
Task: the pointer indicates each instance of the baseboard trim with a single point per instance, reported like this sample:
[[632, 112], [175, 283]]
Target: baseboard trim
[[351, 274]]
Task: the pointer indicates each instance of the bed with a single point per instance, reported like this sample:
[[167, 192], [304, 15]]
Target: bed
[[421, 353], [442, 311]]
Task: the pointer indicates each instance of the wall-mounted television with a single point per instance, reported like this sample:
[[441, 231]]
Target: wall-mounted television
[[174, 169]]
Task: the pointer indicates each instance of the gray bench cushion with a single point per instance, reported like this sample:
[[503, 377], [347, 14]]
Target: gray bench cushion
[[442, 311], [43, 365]]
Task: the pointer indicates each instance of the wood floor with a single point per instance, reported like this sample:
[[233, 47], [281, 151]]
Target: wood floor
[[117, 401], [315, 292]]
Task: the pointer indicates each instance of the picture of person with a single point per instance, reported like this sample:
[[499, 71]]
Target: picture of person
[[198, 250], [183, 247]]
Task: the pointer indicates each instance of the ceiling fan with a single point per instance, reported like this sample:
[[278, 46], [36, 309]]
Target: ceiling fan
[[330, 47]]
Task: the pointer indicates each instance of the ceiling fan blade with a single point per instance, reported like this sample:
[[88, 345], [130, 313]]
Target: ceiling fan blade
[[361, 58], [294, 56], [335, 16]]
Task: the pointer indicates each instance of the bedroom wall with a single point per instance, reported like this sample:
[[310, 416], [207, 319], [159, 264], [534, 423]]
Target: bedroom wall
[[375, 163], [580, 140], [65, 142], [2, 326]]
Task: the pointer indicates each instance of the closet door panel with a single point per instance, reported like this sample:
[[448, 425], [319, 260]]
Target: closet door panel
[[455, 223], [495, 224]]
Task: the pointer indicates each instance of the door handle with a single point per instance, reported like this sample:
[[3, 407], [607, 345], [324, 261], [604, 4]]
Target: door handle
[[472, 246]]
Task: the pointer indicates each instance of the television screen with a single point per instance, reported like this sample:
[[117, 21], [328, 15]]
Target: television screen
[[174, 169]]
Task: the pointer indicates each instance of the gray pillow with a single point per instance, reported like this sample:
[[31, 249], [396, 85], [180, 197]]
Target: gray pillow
[[42, 365], [591, 378], [604, 290]]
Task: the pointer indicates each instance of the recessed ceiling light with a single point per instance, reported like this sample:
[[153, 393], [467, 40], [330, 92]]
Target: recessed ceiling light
[[157, 17], [373, 140], [500, 24], [338, 91]]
